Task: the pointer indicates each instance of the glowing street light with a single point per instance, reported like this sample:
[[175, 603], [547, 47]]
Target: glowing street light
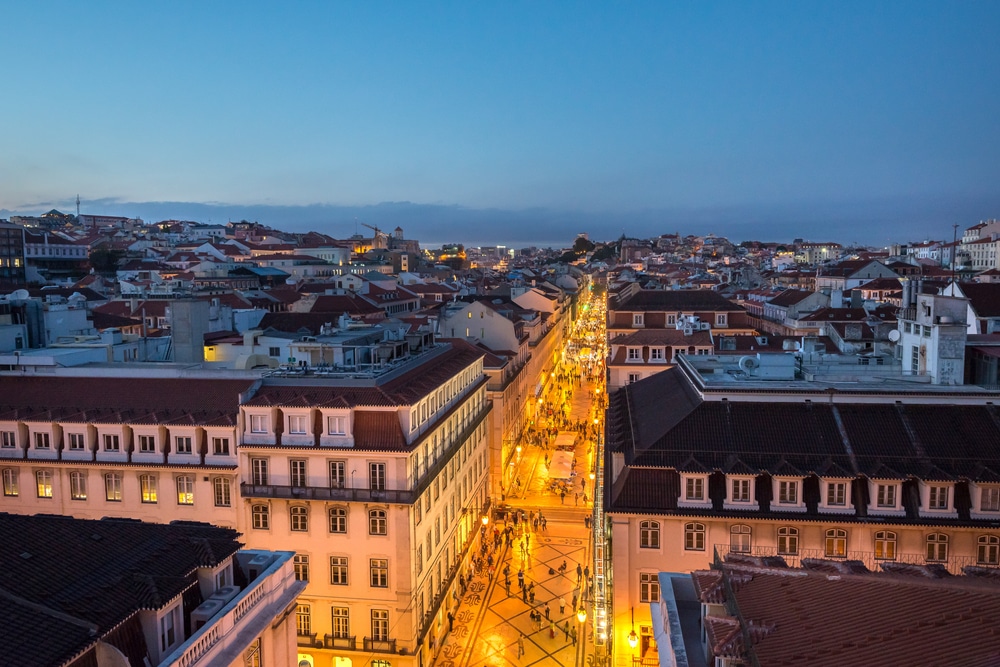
[[581, 614]]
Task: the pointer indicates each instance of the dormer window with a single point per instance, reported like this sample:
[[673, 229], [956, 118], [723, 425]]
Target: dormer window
[[885, 496], [989, 499], [788, 492], [634, 354], [741, 490], [694, 489], [937, 498], [836, 494], [638, 319], [656, 354], [259, 423], [297, 424]]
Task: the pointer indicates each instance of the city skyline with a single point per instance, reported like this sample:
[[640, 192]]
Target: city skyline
[[852, 123]]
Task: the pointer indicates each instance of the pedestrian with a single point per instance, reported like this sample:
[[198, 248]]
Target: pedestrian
[[552, 629], [572, 634], [531, 596], [524, 595], [520, 646], [562, 496], [527, 540], [451, 621], [546, 611], [506, 584], [520, 578], [586, 572], [566, 630], [574, 599], [576, 498], [562, 606]]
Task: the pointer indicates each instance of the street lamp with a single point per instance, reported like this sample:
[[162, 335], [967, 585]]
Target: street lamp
[[633, 639], [485, 519], [581, 614]]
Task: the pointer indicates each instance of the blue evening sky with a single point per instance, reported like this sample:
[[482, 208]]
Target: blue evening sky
[[526, 120]]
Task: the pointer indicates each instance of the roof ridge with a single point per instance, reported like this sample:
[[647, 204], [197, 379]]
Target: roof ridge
[[49, 611]]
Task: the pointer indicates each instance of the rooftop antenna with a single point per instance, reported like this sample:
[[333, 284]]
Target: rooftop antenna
[[78, 206]]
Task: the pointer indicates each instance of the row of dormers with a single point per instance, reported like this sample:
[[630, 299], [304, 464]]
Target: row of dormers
[[842, 495]]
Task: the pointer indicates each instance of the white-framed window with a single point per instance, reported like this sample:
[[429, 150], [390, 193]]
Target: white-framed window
[[656, 354], [671, 319], [220, 446], [694, 489], [740, 490], [338, 519], [988, 551], [338, 570], [649, 534], [338, 474], [182, 444], [376, 476], [222, 492], [76, 441], [185, 490], [379, 572], [78, 485], [260, 517], [885, 545], [341, 622], [10, 485], [638, 319], [301, 563], [299, 518], [788, 541], [836, 494], [113, 487], [43, 480], [634, 377], [297, 472], [303, 620], [788, 492], [885, 495], [634, 354], [147, 486], [8, 439], [41, 440], [378, 522], [836, 543], [380, 625], [168, 631], [336, 425], [259, 423], [989, 499], [937, 547], [937, 498], [258, 471], [694, 537], [649, 587], [297, 424], [720, 319], [147, 444], [111, 443]]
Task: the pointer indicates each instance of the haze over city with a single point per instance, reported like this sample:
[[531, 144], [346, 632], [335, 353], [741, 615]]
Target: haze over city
[[512, 123]]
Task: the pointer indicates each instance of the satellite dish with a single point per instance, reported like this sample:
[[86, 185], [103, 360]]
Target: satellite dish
[[894, 335]]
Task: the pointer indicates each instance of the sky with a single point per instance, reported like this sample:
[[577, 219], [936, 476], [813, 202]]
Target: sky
[[510, 122]]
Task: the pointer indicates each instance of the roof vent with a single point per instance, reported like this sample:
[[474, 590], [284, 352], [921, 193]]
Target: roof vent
[[25, 555]]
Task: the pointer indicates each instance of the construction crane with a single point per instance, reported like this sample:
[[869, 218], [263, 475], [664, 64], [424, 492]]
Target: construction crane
[[381, 239]]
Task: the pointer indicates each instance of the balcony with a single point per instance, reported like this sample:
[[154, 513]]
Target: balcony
[[954, 564], [348, 643], [325, 493], [380, 645]]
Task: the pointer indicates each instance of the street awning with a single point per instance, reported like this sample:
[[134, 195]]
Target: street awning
[[562, 464]]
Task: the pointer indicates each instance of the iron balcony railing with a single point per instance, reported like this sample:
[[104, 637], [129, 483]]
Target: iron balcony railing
[[954, 564], [325, 493]]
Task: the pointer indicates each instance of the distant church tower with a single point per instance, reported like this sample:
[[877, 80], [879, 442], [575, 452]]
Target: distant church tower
[[78, 208]]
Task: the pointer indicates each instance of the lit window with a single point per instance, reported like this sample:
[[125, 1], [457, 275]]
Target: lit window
[[43, 479], [10, 486], [836, 543], [694, 537], [113, 487], [788, 541], [649, 534], [885, 545], [260, 517], [649, 587], [220, 486], [379, 572], [299, 518], [147, 485], [185, 490]]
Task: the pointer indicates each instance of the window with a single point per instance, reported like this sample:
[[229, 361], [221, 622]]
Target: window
[[258, 471], [297, 472], [336, 425], [379, 572], [377, 522], [220, 446], [637, 319], [111, 443], [938, 498], [694, 537], [634, 377], [914, 358], [258, 423], [338, 474], [886, 495], [989, 500], [649, 534], [338, 520], [989, 550], [273, 351], [376, 476], [10, 487], [168, 634], [420, 558], [299, 517], [836, 493], [836, 543], [885, 545], [183, 444], [634, 354], [303, 620], [380, 625], [185, 490], [260, 517], [656, 354], [341, 622], [788, 492], [338, 570], [113, 487], [741, 490], [8, 440], [220, 485], [147, 486], [76, 441], [41, 440], [739, 539], [301, 563], [937, 547], [788, 541], [43, 479], [147, 444], [649, 587], [694, 488], [297, 424]]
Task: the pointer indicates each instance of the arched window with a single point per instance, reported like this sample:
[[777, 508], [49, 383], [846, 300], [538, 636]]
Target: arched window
[[788, 541], [377, 522], [836, 543], [885, 545], [649, 534], [739, 539], [299, 518], [937, 547], [338, 520], [260, 517], [989, 550], [694, 537]]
